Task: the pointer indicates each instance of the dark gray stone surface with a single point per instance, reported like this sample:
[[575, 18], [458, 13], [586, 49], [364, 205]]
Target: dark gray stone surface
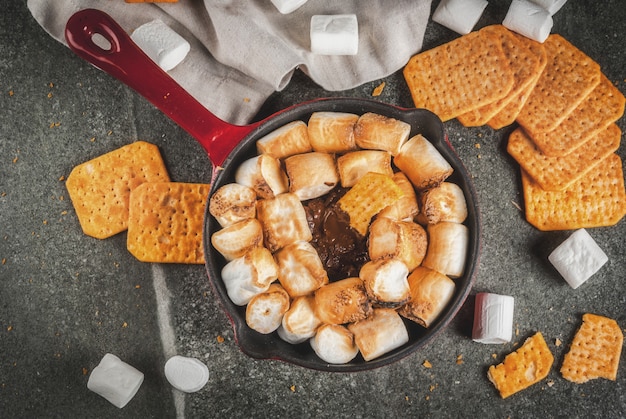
[[67, 299]]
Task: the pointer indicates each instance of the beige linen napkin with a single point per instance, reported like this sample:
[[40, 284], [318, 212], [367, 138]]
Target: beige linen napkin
[[243, 51]]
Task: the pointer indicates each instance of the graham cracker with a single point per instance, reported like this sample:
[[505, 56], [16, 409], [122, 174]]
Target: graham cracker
[[370, 195], [568, 78], [595, 350], [100, 188], [506, 116], [557, 173], [525, 65], [603, 106], [166, 221], [597, 199], [528, 365], [459, 76]]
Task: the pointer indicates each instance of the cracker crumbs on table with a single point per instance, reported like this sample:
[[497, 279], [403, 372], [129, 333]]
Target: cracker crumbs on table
[[459, 359], [11, 93], [124, 325], [292, 388], [220, 339], [378, 90], [557, 342], [427, 364]]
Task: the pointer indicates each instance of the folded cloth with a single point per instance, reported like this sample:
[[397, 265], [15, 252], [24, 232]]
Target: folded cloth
[[243, 51]]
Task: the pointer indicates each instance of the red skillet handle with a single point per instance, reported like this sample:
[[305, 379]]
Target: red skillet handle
[[128, 63]]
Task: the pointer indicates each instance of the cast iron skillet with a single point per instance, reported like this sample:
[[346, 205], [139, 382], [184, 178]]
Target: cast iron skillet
[[229, 145]]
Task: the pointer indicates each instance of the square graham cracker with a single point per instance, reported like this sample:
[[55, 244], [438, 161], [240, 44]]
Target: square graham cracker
[[595, 350], [166, 221], [557, 173], [528, 365], [603, 106], [597, 199], [100, 188], [526, 66], [459, 76], [568, 78]]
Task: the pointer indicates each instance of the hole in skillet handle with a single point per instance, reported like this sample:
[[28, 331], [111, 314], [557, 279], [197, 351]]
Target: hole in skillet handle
[[259, 346]]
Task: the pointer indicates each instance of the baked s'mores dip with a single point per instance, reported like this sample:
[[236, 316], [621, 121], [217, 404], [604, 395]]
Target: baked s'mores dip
[[328, 232]]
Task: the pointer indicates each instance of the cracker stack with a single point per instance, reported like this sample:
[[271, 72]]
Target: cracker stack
[[566, 109]]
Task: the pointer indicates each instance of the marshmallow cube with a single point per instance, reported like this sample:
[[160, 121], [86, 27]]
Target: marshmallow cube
[[493, 318], [552, 6], [186, 374], [578, 258], [334, 34], [287, 6], [459, 15], [115, 380], [161, 43], [528, 19]]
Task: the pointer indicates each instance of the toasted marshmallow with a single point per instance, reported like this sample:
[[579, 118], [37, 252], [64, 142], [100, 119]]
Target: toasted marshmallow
[[430, 293], [446, 202], [379, 132], [265, 311], [233, 203], [422, 163], [403, 240], [300, 322], [284, 221], [300, 270], [249, 275], [342, 301], [334, 344], [405, 208], [288, 140], [380, 333], [354, 165], [264, 174], [386, 282], [311, 175], [332, 132], [447, 248], [237, 239]]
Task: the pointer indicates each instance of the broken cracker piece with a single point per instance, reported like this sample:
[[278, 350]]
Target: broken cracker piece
[[528, 365], [595, 350]]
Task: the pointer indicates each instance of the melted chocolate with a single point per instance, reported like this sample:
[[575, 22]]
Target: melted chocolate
[[340, 247]]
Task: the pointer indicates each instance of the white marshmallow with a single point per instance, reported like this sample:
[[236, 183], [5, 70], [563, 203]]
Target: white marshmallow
[[334, 34], [186, 374], [459, 15], [287, 6], [529, 19], [115, 380], [161, 43], [493, 318], [578, 258], [552, 6]]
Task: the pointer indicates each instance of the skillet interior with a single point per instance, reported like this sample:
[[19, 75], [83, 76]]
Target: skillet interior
[[271, 346]]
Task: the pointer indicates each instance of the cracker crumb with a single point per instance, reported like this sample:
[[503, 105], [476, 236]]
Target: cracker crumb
[[9, 328], [85, 371], [292, 388], [459, 359], [49, 95], [11, 92], [220, 339], [557, 342], [516, 205], [62, 178], [477, 145], [137, 286], [246, 99], [15, 159], [4, 261], [378, 89], [427, 364], [124, 325]]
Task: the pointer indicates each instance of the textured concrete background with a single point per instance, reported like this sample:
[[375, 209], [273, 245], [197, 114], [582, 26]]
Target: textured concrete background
[[67, 299]]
